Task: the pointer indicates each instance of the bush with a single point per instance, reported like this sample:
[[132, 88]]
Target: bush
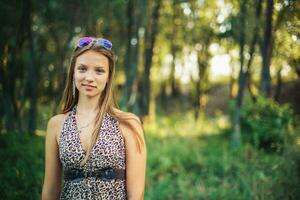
[[288, 182], [266, 124], [21, 169]]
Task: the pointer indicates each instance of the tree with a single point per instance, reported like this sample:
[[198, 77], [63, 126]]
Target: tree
[[149, 45], [266, 50], [242, 76], [202, 35], [135, 12]]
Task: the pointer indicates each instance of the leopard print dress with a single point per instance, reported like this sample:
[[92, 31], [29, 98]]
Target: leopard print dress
[[109, 151]]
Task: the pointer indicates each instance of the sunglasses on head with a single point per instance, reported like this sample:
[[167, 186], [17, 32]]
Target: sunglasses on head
[[84, 41]]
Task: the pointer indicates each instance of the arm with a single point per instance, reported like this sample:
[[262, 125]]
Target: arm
[[52, 179], [135, 161]]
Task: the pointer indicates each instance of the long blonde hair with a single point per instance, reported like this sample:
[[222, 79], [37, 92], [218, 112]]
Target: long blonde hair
[[107, 101]]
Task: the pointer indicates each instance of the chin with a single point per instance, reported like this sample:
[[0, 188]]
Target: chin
[[90, 95]]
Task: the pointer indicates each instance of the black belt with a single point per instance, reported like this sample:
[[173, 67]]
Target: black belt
[[105, 174]]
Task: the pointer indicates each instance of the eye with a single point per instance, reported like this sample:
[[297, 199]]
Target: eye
[[81, 68], [100, 71]]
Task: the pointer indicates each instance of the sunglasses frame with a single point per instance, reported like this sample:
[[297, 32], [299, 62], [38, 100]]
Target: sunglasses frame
[[84, 41]]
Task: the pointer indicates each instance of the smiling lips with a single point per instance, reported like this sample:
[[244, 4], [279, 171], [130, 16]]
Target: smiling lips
[[88, 86]]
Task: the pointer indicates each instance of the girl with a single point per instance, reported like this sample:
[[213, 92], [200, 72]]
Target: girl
[[96, 148]]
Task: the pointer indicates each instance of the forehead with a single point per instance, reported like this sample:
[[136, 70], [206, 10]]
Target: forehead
[[92, 59]]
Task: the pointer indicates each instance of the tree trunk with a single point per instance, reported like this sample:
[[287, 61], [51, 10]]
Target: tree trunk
[[250, 84], [135, 12], [202, 57], [232, 83], [197, 100], [267, 51], [128, 61], [174, 91], [236, 141], [150, 41], [252, 48], [9, 75], [33, 71], [278, 85]]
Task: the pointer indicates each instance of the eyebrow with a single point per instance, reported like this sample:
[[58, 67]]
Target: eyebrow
[[98, 67]]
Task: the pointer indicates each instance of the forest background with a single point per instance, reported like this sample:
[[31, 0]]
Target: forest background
[[216, 84]]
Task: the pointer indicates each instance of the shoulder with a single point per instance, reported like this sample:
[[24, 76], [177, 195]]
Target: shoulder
[[56, 120], [55, 124]]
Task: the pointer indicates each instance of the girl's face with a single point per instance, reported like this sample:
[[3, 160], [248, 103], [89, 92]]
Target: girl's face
[[91, 73]]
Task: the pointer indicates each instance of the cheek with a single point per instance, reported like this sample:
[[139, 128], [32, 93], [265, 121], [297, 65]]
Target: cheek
[[103, 79], [78, 79], [77, 76], [102, 83]]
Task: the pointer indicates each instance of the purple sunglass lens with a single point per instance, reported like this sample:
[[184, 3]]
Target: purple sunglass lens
[[84, 41], [105, 43]]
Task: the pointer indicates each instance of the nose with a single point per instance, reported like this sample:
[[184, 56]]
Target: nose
[[89, 76]]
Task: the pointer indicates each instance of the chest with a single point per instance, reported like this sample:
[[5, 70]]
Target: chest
[[84, 136], [109, 149]]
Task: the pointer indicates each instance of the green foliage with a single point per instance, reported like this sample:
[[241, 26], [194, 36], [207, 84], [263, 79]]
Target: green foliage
[[266, 124], [22, 166], [287, 187], [195, 168]]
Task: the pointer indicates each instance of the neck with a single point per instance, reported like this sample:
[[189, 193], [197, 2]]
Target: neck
[[87, 105]]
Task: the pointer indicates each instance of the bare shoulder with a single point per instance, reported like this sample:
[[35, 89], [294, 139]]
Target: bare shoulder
[[56, 121], [55, 124]]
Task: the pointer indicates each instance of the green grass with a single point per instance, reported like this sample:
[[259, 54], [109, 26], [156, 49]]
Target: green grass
[[203, 165], [207, 168], [186, 160]]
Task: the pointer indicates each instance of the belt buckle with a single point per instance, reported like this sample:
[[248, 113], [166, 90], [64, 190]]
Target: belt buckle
[[108, 174]]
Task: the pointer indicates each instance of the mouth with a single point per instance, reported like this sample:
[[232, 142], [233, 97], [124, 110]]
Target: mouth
[[88, 86]]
